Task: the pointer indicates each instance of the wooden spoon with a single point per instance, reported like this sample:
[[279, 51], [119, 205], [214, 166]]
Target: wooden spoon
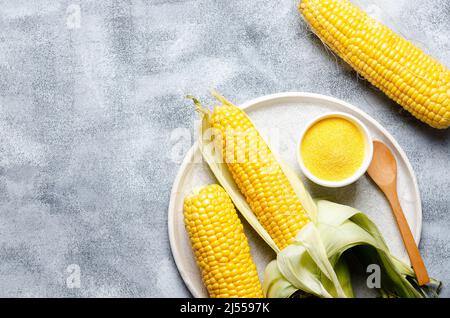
[[383, 171]]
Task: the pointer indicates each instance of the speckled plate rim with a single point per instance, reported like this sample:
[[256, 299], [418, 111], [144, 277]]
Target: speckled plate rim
[[261, 102]]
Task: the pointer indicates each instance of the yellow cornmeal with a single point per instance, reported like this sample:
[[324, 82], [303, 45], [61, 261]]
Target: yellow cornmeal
[[333, 149]]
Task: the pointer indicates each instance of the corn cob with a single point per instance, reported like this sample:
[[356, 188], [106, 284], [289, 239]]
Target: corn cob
[[401, 70], [220, 245], [257, 174]]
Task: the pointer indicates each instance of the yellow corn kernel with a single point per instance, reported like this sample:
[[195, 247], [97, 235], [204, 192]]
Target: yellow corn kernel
[[220, 245], [258, 175], [391, 63]]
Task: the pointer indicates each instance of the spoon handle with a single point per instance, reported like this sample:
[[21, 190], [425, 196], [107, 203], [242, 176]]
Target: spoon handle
[[408, 239]]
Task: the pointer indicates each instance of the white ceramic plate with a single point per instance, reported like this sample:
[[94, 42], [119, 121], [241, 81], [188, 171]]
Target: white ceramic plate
[[285, 114]]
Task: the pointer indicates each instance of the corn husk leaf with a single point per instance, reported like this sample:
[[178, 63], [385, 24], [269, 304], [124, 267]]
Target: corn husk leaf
[[306, 266], [343, 229]]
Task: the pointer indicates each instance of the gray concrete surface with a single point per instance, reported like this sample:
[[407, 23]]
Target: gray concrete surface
[[91, 91]]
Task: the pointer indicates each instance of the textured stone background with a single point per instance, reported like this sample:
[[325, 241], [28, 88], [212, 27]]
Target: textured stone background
[[87, 117]]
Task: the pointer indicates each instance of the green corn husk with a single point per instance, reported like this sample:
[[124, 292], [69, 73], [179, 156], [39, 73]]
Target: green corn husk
[[342, 229]]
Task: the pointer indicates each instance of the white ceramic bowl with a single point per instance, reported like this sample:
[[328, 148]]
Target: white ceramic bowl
[[367, 155]]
